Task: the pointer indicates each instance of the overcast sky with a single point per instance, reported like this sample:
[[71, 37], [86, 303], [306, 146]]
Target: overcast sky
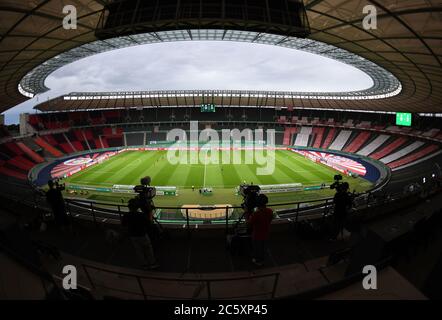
[[200, 65]]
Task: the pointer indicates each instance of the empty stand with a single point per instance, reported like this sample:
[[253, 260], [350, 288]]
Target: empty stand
[[329, 139], [80, 140], [374, 145], [12, 173], [288, 133], [432, 133], [45, 145], [340, 140], [403, 152], [135, 138], [33, 155], [319, 136], [389, 148], [303, 137], [414, 157], [364, 125], [358, 142], [21, 163]]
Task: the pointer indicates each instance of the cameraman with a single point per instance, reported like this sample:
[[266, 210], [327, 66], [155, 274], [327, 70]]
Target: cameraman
[[145, 202], [54, 197], [138, 224], [343, 201], [145, 196], [260, 222]]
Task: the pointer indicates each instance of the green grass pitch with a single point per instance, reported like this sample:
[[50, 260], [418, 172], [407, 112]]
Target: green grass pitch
[[128, 167]]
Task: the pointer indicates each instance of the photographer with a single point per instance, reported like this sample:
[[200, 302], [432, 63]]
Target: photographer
[[54, 197], [259, 223], [145, 196], [343, 201], [137, 224], [250, 194]]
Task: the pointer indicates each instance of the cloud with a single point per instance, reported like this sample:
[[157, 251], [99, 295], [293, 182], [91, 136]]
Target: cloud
[[201, 65]]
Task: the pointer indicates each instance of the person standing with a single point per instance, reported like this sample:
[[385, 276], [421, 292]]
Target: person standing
[[260, 222], [342, 204], [137, 225], [54, 197]]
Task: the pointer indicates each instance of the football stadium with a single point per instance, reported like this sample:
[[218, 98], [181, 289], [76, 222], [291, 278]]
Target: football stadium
[[196, 194]]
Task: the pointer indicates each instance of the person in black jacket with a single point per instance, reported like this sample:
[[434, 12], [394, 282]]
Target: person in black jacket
[[137, 225], [54, 197], [343, 201]]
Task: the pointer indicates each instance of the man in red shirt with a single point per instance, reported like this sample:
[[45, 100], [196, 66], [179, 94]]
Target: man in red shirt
[[260, 222]]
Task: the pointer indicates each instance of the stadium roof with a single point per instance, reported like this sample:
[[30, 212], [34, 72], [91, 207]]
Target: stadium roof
[[407, 43]]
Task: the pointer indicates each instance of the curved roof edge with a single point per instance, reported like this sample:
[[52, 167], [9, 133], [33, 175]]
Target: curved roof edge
[[385, 84]]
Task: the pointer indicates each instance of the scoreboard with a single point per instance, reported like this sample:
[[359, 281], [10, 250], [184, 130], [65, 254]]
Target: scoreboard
[[207, 108], [403, 119]]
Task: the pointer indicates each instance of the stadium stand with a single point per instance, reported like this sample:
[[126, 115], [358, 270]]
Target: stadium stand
[[66, 145], [288, 134], [47, 146], [319, 135], [358, 142], [34, 156], [341, 140], [80, 142], [364, 125], [431, 133], [415, 156], [374, 145], [403, 152], [396, 144], [302, 139], [330, 136], [135, 139]]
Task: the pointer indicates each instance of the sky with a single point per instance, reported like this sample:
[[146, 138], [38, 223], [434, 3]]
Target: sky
[[200, 65]]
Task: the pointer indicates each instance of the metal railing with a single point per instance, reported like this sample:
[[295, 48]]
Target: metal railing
[[199, 288], [293, 212]]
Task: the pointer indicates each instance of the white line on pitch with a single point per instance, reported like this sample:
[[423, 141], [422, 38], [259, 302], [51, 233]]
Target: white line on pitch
[[205, 170]]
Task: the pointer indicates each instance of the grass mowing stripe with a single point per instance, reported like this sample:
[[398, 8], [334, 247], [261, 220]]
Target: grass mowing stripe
[[115, 165], [132, 176], [195, 176], [308, 173], [295, 176], [302, 176], [319, 170], [230, 176]]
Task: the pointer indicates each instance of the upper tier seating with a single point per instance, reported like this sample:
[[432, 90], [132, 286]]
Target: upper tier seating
[[303, 137], [47, 146], [319, 135], [329, 139], [415, 156], [33, 155], [341, 140], [357, 143], [389, 148], [288, 134], [403, 152], [374, 145]]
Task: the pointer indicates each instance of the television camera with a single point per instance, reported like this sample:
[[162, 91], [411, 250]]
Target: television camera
[[145, 195], [250, 194], [338, 182], [144, 190]]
